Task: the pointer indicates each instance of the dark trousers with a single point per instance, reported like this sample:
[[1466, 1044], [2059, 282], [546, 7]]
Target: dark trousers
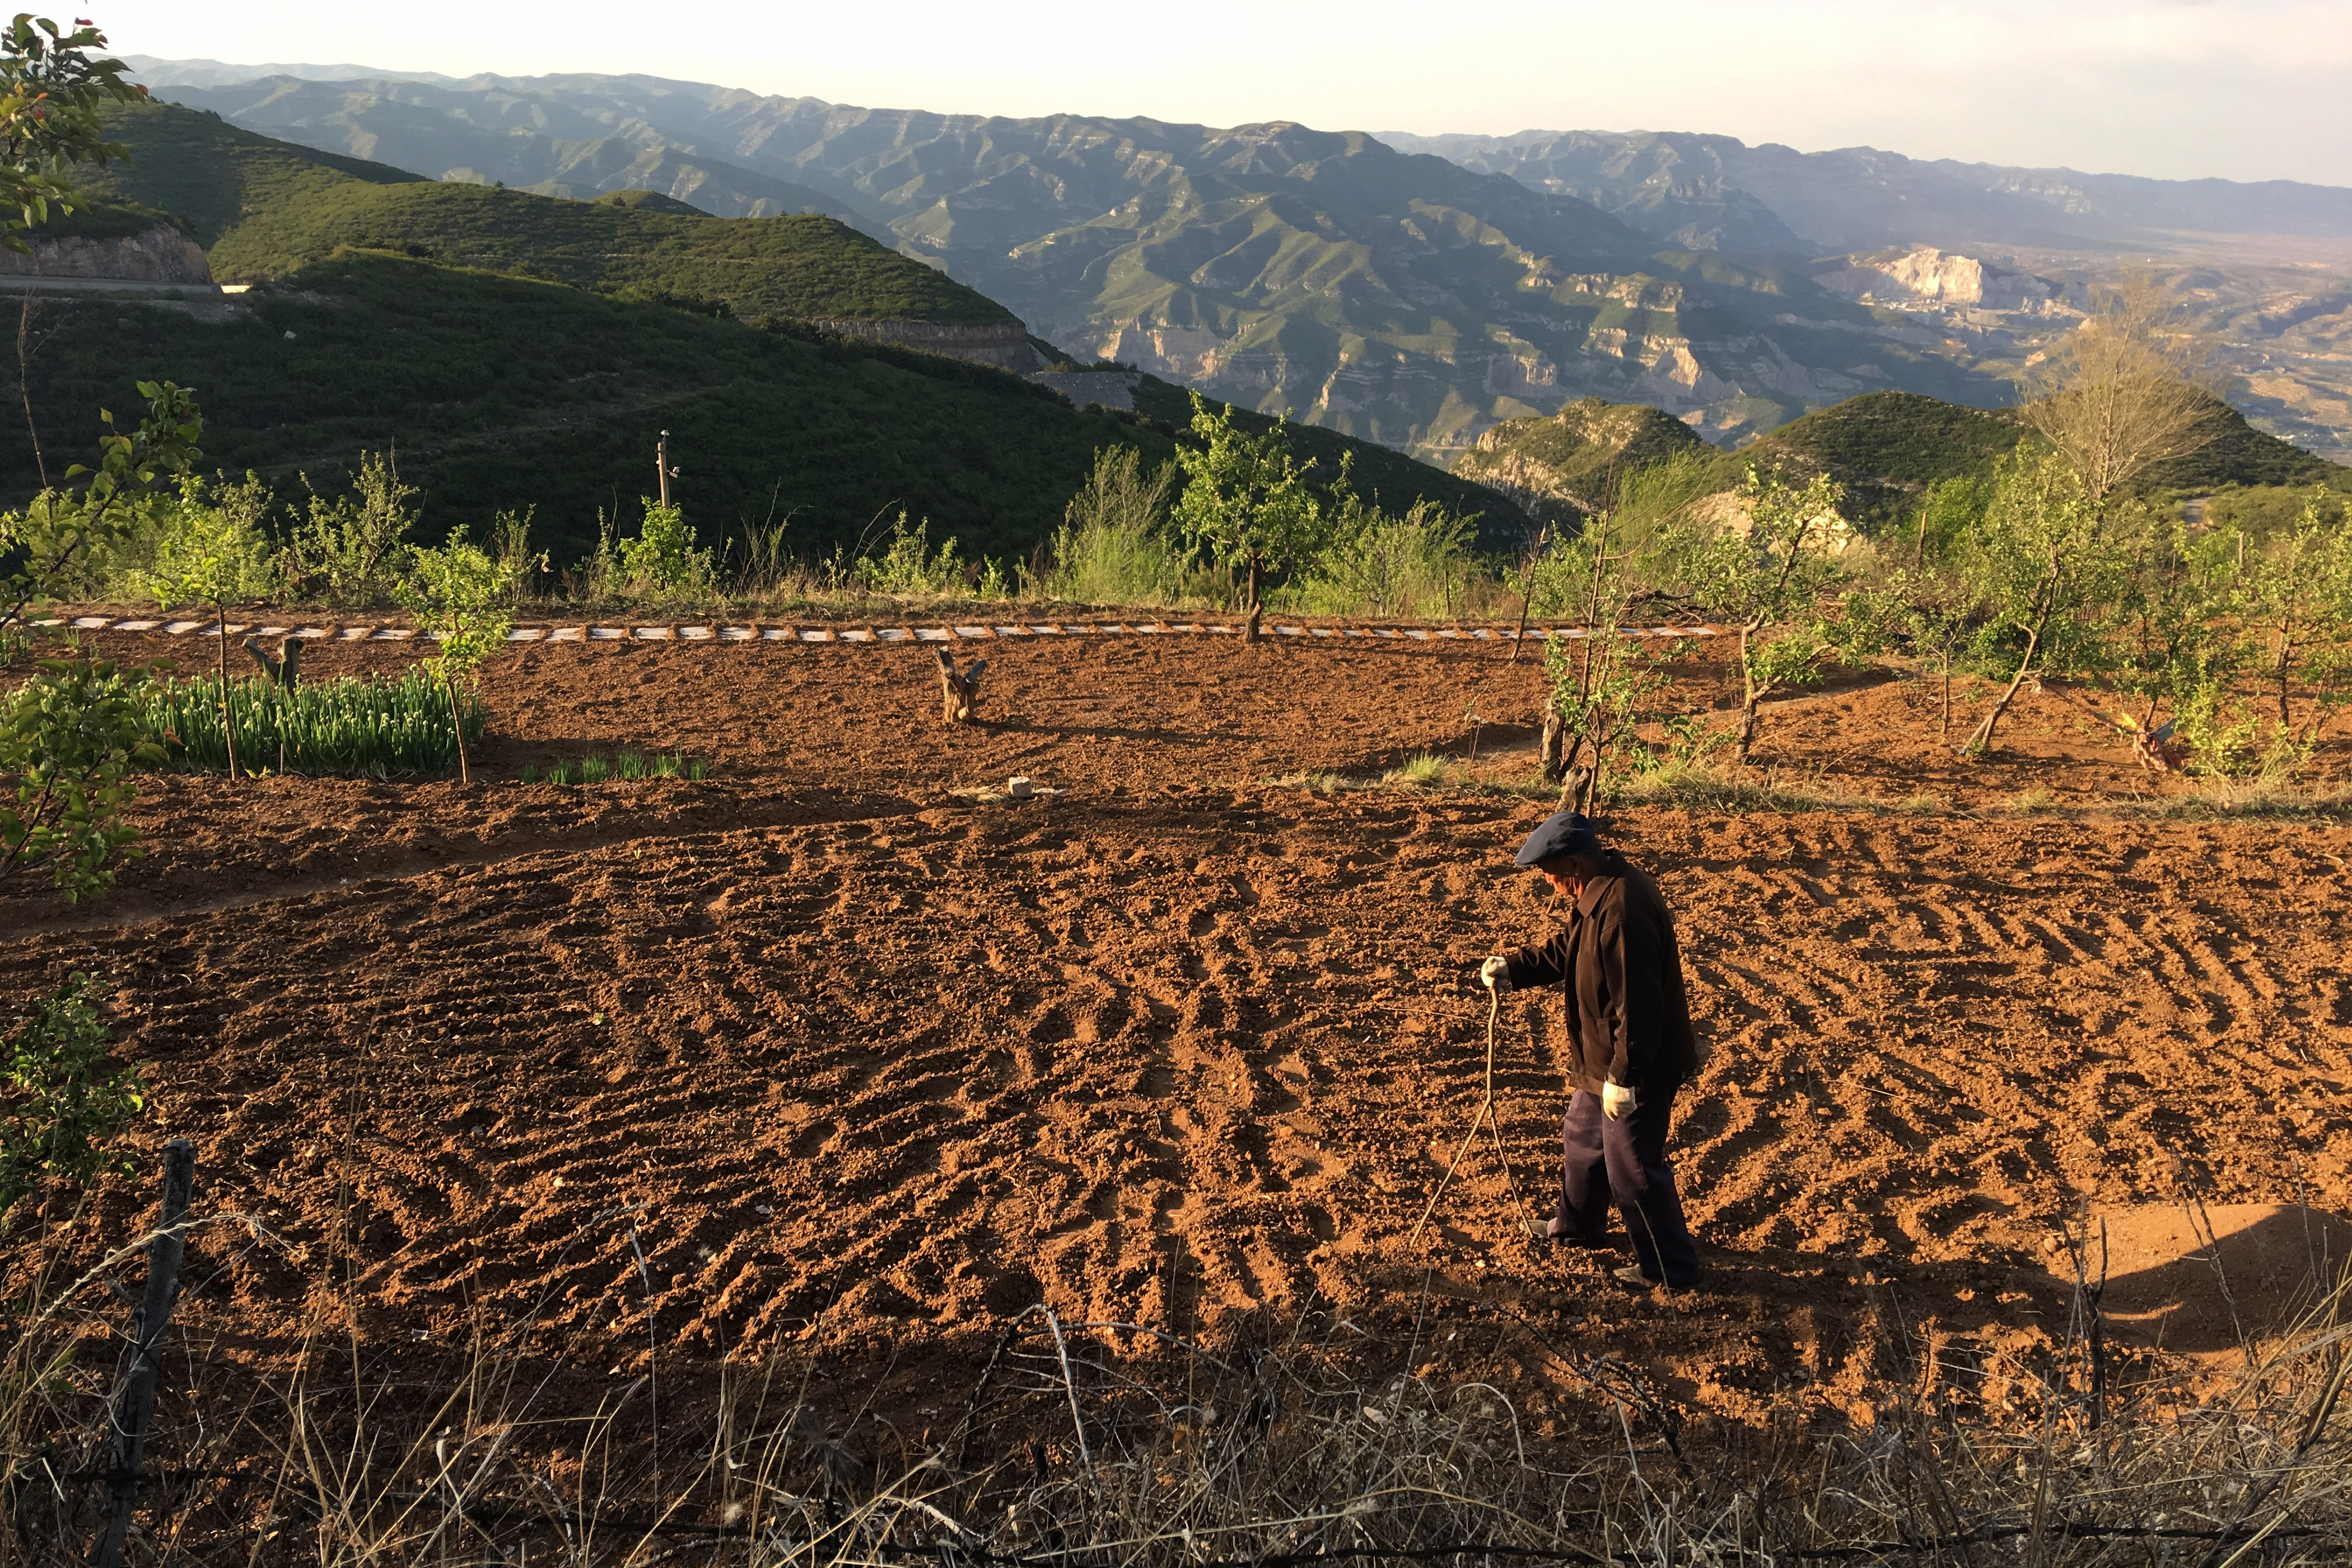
[[1624, 1161]]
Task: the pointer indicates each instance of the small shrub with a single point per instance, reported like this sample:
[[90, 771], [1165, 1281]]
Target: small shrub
[[559, 773], [907, 568], [350, 550], [662, 561], [69, 737], [696, 771], [631, 766], [65, 1100], [531, 772], [593, 769]]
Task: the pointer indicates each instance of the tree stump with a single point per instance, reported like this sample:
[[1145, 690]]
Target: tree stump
[[284, 670], [959, 694]]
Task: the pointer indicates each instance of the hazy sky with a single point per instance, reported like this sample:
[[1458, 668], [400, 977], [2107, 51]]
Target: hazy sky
[[2240, 88]]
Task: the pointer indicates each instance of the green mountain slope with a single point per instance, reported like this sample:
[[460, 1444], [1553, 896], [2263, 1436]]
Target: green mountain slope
[[761, 270], [216, 175], [502, 394], [1401, 298], [501, 391], [1887, 447]]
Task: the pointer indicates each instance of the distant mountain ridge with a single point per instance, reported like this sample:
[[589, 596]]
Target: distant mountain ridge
[[1718, 192], [1392, 297], [1408, 298]]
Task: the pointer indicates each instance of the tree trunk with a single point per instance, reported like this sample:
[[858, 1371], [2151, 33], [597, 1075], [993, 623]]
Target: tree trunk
[[457, 728], [1944, 730], [1750, 693], [228, 721], [2285, 658], [1979, 740], [1550, 749], [1528, 593], [1249, 627]]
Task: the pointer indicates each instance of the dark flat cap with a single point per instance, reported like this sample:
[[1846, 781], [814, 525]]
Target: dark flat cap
[[1562, 832]]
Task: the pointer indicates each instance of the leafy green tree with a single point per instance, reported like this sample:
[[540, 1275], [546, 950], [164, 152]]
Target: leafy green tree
[[65, 1098], [1773, 583], [2043, 562], [68, 740], [51, 93], [1247, 503], [2176, 647], [458, 594], [214, 550]]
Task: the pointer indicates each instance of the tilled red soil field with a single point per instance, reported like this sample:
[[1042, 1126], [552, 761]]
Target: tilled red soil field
[[868, 1065]]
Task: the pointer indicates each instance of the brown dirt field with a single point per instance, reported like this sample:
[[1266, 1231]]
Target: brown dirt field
[[878, 1065]]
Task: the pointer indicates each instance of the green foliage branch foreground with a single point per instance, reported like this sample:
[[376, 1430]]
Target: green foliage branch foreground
[[50, 90], [65, 1099], [71, 737]]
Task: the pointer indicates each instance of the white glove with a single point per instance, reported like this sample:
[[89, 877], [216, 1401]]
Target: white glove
[[1495, 974], [1618, 1102]]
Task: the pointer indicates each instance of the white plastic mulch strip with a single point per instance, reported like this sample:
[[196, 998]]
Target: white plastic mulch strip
[[876, 633]]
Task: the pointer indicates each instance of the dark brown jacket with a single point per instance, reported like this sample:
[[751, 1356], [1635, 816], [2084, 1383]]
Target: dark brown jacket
[[1628, 1013]]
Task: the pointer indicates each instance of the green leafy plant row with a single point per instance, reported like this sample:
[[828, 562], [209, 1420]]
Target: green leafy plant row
[[628, 768], [364, 729]]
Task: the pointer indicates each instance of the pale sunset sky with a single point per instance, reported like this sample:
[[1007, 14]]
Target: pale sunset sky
[[2244, 89]]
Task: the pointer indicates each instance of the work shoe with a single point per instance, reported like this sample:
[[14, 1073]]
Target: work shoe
[[1566, 1236], [1631, 1274]]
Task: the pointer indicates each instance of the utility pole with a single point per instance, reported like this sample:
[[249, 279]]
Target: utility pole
[[661, 465]]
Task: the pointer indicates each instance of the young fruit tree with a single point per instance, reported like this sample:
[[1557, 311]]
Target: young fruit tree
[[44, 548], [2295, 605], [1773, 584], [2042, 563], [214, 550], [1246, 503], [458, 594], [1597, 685]]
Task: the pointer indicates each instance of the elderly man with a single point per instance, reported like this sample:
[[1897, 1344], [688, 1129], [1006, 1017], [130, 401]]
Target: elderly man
[[1630, 1046]]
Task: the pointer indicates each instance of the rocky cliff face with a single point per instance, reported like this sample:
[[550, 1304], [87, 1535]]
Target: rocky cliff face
[[1562, 468], [1926, 278], [159, 255]]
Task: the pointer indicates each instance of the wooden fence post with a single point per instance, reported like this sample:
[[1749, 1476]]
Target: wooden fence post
[[134, 1400]]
